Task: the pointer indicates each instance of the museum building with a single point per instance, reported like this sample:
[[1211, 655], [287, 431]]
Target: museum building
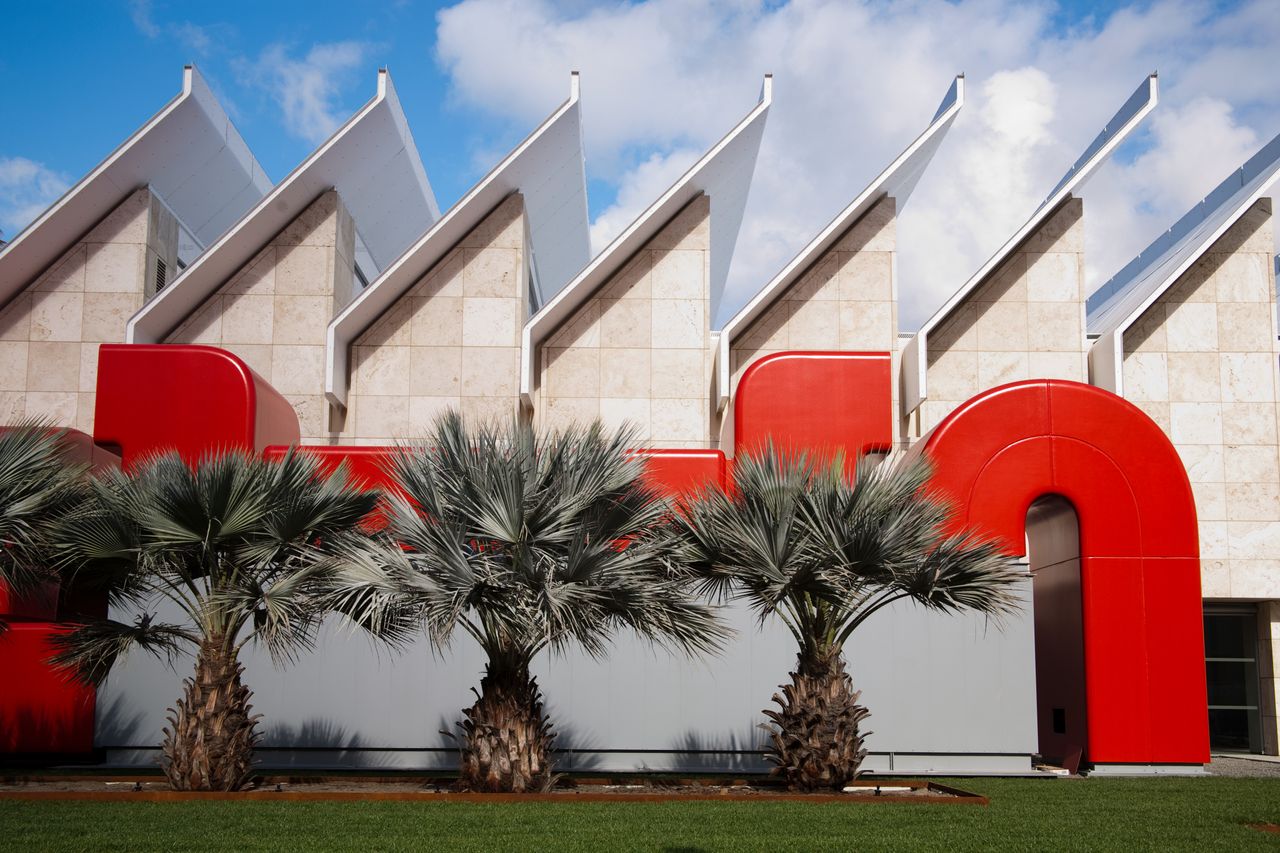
[[1123, 444]]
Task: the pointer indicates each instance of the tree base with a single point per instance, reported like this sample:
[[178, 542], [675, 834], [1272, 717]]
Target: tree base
[[815, 741], [209, 743], [506, 739]]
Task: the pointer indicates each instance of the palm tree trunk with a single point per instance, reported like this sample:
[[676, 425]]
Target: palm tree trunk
[[814, 739], [506, 739], [209, 743]]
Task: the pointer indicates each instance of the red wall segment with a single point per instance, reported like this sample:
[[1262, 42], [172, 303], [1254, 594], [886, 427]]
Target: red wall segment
[[1140, 567], [673, 472], [825, 401], [683, 473], [193, 399], [41, 710], [366, 465]]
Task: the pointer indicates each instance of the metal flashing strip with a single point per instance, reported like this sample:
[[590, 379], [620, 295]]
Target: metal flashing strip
[[896, 181], [548, 169], [189, 153], [915, 356], [372, 162], [723, 173], [1121, 301]]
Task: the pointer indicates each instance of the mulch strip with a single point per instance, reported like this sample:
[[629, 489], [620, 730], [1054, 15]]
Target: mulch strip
[[147, 789]]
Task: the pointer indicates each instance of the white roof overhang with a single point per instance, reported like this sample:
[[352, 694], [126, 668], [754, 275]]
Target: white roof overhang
[[915, 358], [189, 153], [547, 168], [897, 181], [723, 173], [1119, 303], [370, 160]]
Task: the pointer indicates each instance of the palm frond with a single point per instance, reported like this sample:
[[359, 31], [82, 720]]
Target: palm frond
[[802, 540], [529, 541], [88, 651], [39, 486], [236, 542]]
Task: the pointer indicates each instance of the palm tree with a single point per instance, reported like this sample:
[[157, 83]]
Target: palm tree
[[525, 543], [39, 484], [801, 541], [236, 546]]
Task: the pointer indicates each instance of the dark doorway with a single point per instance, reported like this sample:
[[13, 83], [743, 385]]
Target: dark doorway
[[1231, 666], [1053, 551]]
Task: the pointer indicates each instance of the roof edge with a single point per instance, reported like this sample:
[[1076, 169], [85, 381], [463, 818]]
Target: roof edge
[[941, 122], [145, 326], [360, 314], [622, 246], [1126, 120], [193, 89]]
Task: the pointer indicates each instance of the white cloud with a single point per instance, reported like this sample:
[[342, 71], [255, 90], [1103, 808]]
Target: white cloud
[[141, 13], [192, 35], [856, 81], [26, 189], [640, 187], [1194, 147], [308, 88]]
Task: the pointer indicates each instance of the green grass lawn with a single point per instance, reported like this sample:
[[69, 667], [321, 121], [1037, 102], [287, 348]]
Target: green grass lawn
[[1114, 814]]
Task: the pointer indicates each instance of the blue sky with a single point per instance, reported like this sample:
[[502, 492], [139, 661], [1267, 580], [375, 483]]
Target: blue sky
[[663, 79], [88, 74]]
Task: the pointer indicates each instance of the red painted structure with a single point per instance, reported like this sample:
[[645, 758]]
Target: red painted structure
[[828, 401], [995, 455], [1140, 559], [41, 710], [193, 399]]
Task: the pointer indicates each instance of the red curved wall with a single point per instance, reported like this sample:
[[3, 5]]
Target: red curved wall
[[1140, 565], [193, 399], [824, 401]]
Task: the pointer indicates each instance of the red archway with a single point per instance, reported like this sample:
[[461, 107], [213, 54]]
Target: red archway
[[1140, 564]]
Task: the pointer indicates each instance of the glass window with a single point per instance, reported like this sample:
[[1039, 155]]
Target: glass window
[[1231, 667]]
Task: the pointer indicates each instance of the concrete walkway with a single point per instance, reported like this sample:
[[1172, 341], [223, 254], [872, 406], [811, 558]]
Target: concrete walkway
[[1239, 765]]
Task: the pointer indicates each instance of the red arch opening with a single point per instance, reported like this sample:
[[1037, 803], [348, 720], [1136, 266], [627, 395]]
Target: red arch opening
[[1140, 562]]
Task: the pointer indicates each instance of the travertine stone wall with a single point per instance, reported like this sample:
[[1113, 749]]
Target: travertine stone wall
[[1269, 674], [1202, 362], [275, 311], [50, 332], [847, 300], [452, 341], [1025, 321], [639, 350]]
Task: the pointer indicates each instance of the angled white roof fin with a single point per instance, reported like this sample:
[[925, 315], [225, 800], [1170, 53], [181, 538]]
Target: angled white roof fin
[[1122, 300], [370, 160], [915, 358], [189, 153], [897, 181], [723, 173], [547, 168]]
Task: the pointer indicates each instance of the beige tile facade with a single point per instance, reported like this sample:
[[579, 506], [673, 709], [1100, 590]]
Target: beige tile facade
[[50, 332], [639, 350], [846, 301], [1202, 362], [274, 312], [452, 341], [1269, 675], [1024, 321]]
